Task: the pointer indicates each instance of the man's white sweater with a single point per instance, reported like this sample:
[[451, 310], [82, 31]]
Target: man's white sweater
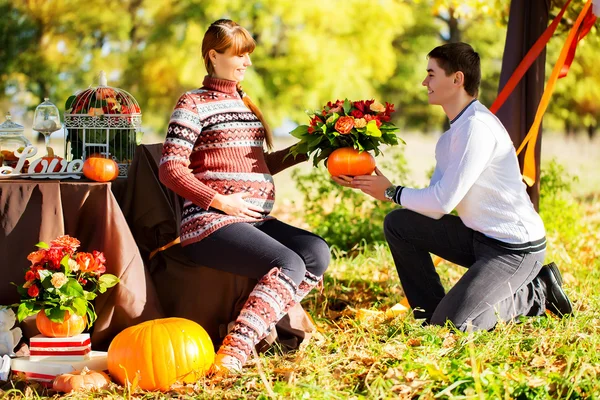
[[477, 173]]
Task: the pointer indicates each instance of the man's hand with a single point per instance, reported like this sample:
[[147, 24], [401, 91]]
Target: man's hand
[[343, 180], [373, 185]]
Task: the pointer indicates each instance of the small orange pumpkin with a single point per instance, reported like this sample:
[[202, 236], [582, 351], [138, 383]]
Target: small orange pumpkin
[[72, 325], [100, 169], [161, 352], [351, 162], [85, 379]]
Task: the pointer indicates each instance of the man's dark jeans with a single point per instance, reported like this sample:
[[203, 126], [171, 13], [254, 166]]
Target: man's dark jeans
[[496, 287]]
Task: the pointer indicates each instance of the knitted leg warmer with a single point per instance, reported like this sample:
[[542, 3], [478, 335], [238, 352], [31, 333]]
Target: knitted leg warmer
[[309, 282], [271, 297]]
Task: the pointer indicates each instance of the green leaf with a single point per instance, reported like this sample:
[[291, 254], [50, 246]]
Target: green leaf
[[72, 288], [43, 245], [55, 314], [89, 295], [80, 306], [300, 132], [347, 106], [107, 281], [65, 263], [25, 310], [372, 129], [69, 102], [45, 278]]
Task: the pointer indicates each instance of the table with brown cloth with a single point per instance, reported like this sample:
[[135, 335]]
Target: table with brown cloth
[[126, 219], [40, 210]]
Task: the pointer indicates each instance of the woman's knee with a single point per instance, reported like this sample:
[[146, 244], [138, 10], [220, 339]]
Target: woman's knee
[[292, 265], [320, 257]]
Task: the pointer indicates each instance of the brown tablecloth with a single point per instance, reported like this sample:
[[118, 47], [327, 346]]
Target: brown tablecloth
[[126, 219]]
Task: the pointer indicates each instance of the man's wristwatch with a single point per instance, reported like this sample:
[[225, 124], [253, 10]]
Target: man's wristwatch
[[390, 192]]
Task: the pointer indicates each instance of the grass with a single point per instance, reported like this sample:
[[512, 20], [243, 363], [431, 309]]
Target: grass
[[356, 355]]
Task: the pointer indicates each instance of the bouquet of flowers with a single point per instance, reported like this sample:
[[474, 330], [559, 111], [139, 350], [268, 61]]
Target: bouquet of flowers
[[363, 125], [61, 279]]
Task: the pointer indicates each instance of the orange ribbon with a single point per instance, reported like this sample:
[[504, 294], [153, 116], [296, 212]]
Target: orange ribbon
[[585, 28], [529, 170]]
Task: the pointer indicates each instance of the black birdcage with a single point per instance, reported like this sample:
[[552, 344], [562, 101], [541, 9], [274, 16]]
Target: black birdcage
[[103, 121]]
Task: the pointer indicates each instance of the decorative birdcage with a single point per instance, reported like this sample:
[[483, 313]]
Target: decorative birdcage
[[103, 121]]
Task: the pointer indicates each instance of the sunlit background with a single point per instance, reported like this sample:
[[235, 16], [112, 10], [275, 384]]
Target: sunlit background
[[308, 53]]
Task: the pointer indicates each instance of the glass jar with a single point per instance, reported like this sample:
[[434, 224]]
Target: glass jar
[[11, 139], [46, 120]]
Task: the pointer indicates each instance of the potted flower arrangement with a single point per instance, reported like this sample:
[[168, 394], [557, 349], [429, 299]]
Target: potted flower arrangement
[[343, 133], [60, 285]]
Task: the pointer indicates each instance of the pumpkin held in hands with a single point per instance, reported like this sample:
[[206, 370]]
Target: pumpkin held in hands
[[160, 352], [351, 162], [100, 169], [80, 380]]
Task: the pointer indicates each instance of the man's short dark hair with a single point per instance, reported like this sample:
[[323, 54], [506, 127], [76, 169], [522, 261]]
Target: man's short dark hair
[[454, 57]]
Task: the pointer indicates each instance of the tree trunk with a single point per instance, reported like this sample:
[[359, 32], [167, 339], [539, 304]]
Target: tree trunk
[[527, 21]]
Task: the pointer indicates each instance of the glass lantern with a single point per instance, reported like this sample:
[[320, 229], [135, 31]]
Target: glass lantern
[[11, 139], [45, 121]]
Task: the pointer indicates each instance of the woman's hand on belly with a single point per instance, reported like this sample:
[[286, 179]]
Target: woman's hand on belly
[[235, 205]]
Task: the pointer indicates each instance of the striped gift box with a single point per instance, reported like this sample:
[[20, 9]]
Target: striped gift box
[[72, 348], [46, 371]]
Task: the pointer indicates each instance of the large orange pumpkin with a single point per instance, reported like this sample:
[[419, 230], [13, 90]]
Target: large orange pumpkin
[[162, 352], [72, 325], [351, 162], [100, 169], [81, 380]]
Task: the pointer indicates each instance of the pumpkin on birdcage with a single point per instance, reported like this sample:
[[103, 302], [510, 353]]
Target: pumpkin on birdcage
[[105, 120], [100, 169], [160, 353]]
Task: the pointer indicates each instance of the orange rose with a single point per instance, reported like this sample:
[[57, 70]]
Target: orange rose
[[70, 244], [344, 125], [37, 257]]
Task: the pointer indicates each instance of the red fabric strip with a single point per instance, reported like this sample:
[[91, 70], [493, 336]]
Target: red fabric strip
[[529, 58], [584, 29]]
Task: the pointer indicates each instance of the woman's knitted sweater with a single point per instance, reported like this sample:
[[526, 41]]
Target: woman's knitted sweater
[[214, 145]]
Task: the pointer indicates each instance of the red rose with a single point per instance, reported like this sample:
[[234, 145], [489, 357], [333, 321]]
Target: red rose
[[357, 113], [29, 275], [369, 117], [344, 125], [33, 291], [54, 256]]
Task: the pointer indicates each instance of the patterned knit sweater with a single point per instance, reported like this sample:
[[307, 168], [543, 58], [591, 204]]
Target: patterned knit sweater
[[214, 145]]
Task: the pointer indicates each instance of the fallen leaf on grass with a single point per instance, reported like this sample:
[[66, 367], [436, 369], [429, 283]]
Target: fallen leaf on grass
[[538, 362], [287, 375], [396, 310], [364, 315], [535, 381]]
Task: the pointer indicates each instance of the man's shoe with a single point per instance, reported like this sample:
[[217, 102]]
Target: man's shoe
[[557, 301]]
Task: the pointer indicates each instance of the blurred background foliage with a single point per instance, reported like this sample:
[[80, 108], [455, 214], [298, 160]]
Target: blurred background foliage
[[308, 53]]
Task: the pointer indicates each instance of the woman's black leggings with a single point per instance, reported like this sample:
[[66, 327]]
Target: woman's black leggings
[[253, 250]]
